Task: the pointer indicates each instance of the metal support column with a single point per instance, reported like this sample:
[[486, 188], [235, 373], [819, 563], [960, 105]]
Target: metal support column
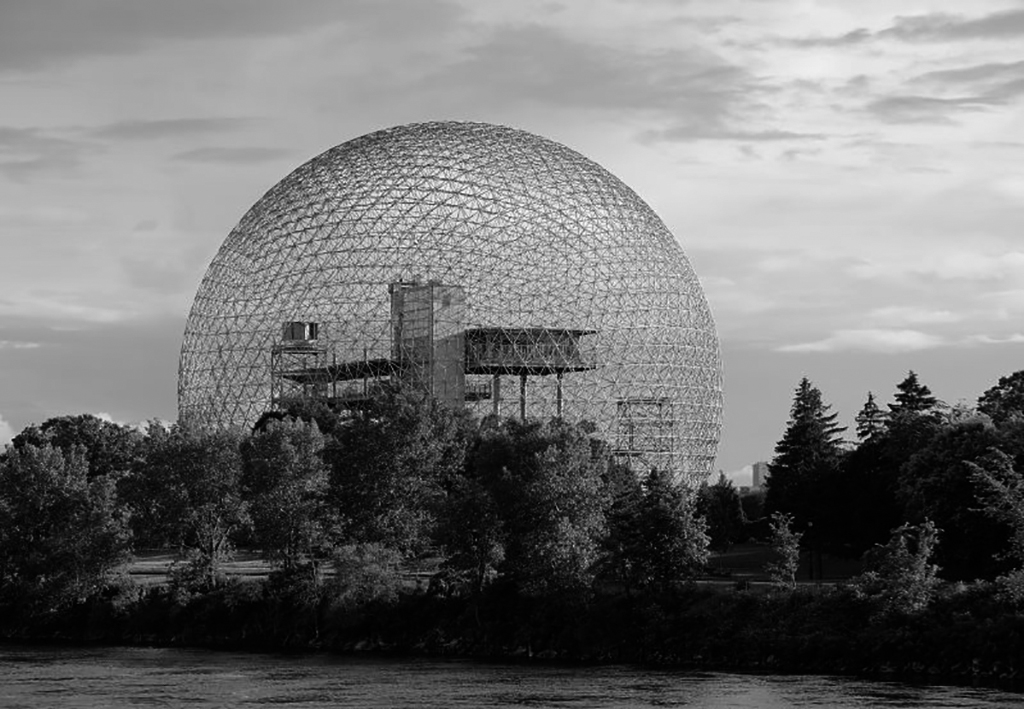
[[558, 394], [496, 394], [522, 397]]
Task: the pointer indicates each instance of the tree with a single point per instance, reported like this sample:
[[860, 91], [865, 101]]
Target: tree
[[937, 484], [912, 398], [870, 420], [1001, 491], [472, 534], [188, 488], [547, 488], [1005, 400], [109, 447], [806, 456], [624, 495], [785, 545], [672, 541], [285, 482], [62, 536], [390, 466], [720, 506], [900, 574]]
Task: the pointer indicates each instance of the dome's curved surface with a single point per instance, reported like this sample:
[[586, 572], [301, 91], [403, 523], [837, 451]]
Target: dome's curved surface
[[538, 242]]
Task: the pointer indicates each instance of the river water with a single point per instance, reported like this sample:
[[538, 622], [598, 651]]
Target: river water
[[146, 677]]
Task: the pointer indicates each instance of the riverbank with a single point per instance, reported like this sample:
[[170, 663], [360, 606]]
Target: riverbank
[[967, 634]]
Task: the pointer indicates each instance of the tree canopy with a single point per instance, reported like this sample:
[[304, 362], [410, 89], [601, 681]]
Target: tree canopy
[[62, 535], [808, 453]]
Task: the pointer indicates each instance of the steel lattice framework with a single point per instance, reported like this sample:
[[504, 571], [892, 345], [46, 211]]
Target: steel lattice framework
[[491, 261]]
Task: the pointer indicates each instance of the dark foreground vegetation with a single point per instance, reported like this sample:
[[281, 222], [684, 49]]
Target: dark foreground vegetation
[[410, 528], [966, 635]]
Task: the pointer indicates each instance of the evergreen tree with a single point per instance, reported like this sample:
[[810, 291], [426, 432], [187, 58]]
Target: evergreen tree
[[871, 419], [809, 450], [912, 397], [803, 473]]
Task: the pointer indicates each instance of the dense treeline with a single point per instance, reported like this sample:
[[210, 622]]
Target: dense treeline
[[352, 496], [536, 540], [941, 483]]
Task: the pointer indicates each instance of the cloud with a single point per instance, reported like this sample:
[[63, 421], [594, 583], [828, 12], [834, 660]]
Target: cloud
[[1015, 338], [28, 152], [941, 27], [35, 35], [869, 340], [744, 477], [158, 275], [7, 432], [237, 156], [140, 426], [931, 27], [166, 128], [897, 315], [18, 345], [712, 132], [856, 36], [980, 85], [512, 66], [954, 265], [926, 109], [976, 74]]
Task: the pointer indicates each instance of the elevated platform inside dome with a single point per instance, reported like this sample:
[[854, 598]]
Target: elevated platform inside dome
[[525, 351], [343, 371]]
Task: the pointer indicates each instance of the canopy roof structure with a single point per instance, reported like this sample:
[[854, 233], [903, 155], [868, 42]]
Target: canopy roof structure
[[467, 254]]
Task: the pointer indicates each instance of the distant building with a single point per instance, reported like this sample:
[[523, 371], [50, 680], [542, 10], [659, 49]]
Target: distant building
[[760, 469]]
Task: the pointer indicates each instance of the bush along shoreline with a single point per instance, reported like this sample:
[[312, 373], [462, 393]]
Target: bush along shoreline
[[967, 634]]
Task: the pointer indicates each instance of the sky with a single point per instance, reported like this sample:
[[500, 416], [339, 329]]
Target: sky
[[847, 179]]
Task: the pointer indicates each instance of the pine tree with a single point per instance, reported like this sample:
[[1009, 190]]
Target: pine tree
[[809, 451], [912, 397], [871, 419]]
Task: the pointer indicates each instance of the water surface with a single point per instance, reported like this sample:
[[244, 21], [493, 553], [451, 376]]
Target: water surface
[[34, 677]]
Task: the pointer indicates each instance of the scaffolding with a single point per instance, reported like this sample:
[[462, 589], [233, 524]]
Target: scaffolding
[[646, 432]]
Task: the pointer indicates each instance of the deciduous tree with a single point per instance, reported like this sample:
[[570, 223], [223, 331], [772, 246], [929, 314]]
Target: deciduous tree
[[900, 574], [1001, 491], [389, 468], [188, 487], [109, 447], [547, 486], [785, 545], [720, 506], [285, 482], [936, 484], [1005, 400], [62, 535]]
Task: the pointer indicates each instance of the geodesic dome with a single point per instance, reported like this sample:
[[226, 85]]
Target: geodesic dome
[[502, 271]]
